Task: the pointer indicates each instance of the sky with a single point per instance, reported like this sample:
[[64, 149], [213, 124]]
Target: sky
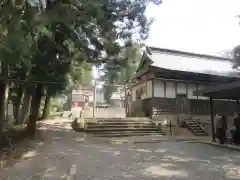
[[201, 26]]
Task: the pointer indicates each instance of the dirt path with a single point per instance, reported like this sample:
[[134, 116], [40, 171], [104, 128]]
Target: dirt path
[[44, 158], [63, 154]]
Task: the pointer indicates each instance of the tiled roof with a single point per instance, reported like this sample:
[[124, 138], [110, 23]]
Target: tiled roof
[[189, 62]]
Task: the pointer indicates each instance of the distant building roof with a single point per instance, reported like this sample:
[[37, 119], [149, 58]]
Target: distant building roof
[[189, 62]]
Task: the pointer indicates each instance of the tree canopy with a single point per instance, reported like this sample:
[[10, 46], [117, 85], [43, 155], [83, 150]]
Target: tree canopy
[[131, 57], [44, 44]]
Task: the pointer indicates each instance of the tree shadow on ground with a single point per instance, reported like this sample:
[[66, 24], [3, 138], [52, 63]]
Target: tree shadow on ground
[[63, 147], [16, 144], [173, 168], [14, 153], [180, 165], [56, 130], [164, 163], [161, 163], [43, 159]]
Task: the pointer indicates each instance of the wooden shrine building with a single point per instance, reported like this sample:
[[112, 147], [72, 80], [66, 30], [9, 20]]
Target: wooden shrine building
[[166, 80]]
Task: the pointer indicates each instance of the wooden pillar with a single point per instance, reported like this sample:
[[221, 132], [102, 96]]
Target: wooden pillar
[[176, 102], [126, 100], [153, 85], [94, 98], [187, 100], [165, 88], [146, 88], [212, 119], [237, 108]]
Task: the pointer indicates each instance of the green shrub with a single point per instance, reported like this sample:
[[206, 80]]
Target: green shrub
[[78, 124], [56, 105], [11, 135]]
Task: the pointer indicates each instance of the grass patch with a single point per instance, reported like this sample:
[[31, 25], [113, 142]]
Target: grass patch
[[55, 114], [11, 136], [78, 125], [14, 142]]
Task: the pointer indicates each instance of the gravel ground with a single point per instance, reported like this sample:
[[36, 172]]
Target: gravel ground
[[67, 155]]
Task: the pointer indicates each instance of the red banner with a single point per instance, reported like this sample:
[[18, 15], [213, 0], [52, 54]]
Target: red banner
[[77, 104]]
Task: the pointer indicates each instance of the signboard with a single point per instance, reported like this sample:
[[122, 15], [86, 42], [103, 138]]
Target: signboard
[[76, 104], [77, 97], [78, 100]]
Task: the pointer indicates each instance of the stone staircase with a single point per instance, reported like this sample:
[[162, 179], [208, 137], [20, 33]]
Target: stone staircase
[[120, 127], [195, 127]]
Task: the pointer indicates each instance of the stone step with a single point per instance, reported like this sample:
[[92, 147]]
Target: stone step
[[193, 124], [195, 128], [125, 121], [120, 129], [198, 130], [128, 134], [123, 132], [119, 125], [201, 134], [118, 119]]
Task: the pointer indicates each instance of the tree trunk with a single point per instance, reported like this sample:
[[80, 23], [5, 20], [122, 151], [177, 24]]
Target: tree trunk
[[3, 91], [25, 110], [19, 102], [46, 108], [34, 113], [2, 104]]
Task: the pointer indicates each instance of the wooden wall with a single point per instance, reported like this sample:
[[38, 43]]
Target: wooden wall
[[170, 88], [143, 89], [159, 106], [162, 97]]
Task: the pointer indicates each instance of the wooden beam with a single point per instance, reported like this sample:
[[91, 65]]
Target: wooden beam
[[220, 88], [186, 81]]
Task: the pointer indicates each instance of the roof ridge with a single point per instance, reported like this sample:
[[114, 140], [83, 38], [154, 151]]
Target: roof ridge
[[184, 53]]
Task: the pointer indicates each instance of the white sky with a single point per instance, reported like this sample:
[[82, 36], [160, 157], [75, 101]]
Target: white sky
[[202, 26]]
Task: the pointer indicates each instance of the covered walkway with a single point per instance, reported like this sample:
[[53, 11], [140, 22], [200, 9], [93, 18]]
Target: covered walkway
[[230, 91]]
